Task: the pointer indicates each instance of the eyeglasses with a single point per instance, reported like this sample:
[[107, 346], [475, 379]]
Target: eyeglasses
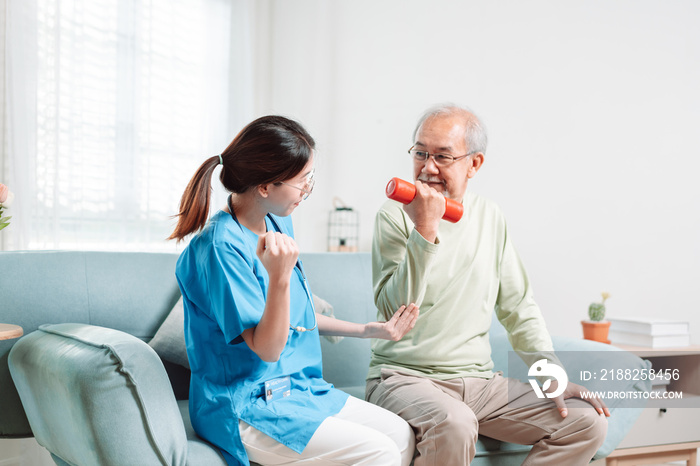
[[307, 188], [441, 160]]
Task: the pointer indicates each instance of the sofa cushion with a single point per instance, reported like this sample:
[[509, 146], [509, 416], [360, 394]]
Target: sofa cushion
[[199, 452]]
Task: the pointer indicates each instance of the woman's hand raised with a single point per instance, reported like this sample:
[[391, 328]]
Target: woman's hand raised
[[278, 253]]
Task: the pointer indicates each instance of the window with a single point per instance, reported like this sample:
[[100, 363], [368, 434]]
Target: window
[[131, 97]]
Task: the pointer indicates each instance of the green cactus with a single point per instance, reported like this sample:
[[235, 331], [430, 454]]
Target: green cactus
[[596, 311]]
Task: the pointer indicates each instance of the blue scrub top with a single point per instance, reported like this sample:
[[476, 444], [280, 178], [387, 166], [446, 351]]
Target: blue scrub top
[[224, 285]]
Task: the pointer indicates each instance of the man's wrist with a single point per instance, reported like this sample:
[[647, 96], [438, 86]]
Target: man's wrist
[[429, 234]]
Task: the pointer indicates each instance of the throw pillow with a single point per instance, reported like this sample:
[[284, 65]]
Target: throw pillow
[[169, 340], [323, 307]]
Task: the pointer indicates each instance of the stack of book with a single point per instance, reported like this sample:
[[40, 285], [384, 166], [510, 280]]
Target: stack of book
[[660, 384], [649, 332]]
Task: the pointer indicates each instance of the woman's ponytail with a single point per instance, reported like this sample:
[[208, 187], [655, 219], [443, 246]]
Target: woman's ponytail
[[194, 204]]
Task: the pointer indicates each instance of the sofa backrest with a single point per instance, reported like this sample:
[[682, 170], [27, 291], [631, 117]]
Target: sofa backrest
[[132, 292], [345, 281]]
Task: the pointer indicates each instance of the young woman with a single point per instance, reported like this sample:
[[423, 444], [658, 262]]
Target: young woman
[[252, 335]]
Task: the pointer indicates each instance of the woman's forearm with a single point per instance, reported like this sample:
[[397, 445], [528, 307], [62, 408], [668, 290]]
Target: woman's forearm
[[340, 328], [269, 337], [401, 322]]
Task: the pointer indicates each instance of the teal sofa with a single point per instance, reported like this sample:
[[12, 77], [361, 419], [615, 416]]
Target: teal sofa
[[86, 384]]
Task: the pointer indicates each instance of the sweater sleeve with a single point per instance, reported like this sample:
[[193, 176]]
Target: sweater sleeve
[[517, 310], [401, 260]]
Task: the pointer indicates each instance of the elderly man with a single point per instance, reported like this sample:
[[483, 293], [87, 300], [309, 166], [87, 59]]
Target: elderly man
[[439, 377]]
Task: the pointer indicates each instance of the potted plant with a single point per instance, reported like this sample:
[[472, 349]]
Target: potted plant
[[596, 327]]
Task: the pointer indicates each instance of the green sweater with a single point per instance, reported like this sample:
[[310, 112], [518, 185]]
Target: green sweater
[[458, 281]]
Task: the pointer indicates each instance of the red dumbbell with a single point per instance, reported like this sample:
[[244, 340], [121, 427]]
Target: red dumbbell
[[404, 192]]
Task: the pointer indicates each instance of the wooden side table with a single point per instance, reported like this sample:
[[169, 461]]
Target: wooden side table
[[10, 331], [665, 435], [655, 455]]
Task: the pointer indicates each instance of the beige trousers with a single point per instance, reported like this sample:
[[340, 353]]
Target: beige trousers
[[447, 416]]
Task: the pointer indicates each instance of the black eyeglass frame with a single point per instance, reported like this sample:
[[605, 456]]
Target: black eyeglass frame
[[447, 159]]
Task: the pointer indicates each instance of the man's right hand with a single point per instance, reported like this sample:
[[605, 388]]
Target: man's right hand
[[426, 211]]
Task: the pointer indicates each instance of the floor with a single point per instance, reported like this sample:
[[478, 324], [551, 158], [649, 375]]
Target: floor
[[26, 452], [677, 463], [23, 452]]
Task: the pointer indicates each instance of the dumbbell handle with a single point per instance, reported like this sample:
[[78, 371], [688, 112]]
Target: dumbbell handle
[[404, 192]]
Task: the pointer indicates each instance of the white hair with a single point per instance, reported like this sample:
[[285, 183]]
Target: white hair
[[475, 135]]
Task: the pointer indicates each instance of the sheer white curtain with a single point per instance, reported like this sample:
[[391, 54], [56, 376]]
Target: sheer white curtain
[[111, 105]]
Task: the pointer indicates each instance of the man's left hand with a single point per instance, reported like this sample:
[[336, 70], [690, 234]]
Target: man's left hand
[[577, 391]]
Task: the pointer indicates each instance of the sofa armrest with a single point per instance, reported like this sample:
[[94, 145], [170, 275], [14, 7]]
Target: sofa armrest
[[95, 395]]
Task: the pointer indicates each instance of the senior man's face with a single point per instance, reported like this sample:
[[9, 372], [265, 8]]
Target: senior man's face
[[445, 135]]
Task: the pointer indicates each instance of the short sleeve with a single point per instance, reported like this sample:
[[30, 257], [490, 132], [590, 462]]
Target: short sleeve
[[237, 288]]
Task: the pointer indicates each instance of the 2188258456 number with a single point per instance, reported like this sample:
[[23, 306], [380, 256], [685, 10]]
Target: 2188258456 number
[[640, 374]]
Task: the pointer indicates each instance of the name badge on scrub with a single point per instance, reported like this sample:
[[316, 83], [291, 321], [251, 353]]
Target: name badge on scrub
[[277, 388]]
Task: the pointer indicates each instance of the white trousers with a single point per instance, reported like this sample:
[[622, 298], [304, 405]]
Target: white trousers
[[360, 434]]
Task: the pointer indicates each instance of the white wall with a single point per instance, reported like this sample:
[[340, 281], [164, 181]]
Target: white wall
[[593, 110]]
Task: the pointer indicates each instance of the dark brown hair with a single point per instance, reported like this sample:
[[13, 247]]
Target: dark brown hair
[[268, 150]]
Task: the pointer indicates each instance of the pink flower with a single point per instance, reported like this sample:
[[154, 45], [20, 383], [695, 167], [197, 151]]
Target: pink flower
[[6, 196]]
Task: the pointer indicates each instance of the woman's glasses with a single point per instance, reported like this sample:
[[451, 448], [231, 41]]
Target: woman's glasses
[[307, 188]]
